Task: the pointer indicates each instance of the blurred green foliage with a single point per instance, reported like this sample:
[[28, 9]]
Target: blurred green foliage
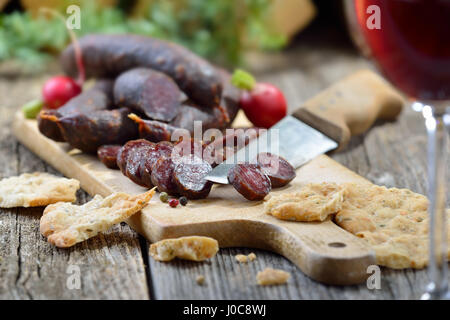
[[216, 29]]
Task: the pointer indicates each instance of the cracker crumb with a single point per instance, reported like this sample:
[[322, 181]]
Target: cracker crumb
[[269, 277], [193, 248], [242, 258], [200, 280]]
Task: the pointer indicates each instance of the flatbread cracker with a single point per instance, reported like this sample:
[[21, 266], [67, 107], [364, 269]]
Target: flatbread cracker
[[393, 221], [36, 190], [193, 248], [65, 224], [314, 202]]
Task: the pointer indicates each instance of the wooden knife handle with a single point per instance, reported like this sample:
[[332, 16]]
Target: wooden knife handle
[[351, 106]]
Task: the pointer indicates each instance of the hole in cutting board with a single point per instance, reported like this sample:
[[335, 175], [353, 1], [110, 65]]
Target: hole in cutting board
[[337, 245]]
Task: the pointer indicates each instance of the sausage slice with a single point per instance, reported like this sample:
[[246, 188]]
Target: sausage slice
[[279, 171], [250, 181]]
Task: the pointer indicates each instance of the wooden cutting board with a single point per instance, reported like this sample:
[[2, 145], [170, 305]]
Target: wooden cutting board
[[323, 251]]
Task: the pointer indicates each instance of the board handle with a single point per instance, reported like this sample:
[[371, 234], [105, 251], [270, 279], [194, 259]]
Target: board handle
[[323, 251], [351, 106]]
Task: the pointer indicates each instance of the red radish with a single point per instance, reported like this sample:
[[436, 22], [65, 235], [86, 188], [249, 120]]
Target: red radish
[[263, 103], [58, 90]]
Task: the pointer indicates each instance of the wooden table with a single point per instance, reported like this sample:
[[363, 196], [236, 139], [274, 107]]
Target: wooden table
[[116, 265]]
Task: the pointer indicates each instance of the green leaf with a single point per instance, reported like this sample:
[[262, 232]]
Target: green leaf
[[243, 80]]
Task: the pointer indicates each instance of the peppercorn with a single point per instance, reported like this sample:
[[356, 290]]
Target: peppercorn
[[183, 201], [164, 197], [173, 203]]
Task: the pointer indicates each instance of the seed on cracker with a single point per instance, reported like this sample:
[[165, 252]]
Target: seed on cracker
[[314, 202], [194, 248], [36, 190], [65, 224], [269, 277]]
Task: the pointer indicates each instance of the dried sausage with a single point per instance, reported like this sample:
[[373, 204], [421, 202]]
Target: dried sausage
[[108, 155], [89, 131], [123, 153], [162, 175], [250, 181], [163, 148], [110, 55], [279, 171], [99, 97], [189, 175], [134, 161], [149, 92]]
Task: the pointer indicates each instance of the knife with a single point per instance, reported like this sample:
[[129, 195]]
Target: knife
[[323, 123]]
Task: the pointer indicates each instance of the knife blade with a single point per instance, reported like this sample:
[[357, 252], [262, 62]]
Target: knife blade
[[290, 138], [324, 123]]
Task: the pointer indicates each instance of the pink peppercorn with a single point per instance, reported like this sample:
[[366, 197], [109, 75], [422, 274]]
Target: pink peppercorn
[[173, 203]]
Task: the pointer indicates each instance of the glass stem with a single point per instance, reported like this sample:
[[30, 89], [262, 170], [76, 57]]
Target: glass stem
[[437, 165]]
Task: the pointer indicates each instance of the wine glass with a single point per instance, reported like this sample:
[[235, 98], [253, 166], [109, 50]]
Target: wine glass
[[409, 41]]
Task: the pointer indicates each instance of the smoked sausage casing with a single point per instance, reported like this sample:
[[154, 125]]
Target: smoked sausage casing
[[149, 92], [99, 97], [109, 55]]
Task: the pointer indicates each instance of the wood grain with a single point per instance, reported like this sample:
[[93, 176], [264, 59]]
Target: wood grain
[[111, 266], [225, 215], [391, 153]]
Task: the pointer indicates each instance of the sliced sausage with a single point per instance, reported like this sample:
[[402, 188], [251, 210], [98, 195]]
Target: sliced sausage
[[162, 176], [108, 155], [135, 161], [110, 55], [279, 171], [122, 155], [163, 148], [189, 175], [149, 92], [250, 181]]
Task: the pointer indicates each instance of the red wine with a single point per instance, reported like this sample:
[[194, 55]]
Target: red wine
[[412, 46]]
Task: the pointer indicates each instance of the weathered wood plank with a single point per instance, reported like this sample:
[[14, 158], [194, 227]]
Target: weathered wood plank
[[110, 265], [391, 154]]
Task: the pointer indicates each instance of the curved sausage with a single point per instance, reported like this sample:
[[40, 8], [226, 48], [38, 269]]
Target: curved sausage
[[108, 155], [99, 97], [149, 92], [279, 171], [189, 175], [162, 176], [110, 55], [89, 131], [250, 181]]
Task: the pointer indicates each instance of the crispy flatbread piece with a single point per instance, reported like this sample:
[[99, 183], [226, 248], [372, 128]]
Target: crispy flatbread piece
[[65, 224], [314, 202], [194, 248], [393, 221], [36, 189]]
